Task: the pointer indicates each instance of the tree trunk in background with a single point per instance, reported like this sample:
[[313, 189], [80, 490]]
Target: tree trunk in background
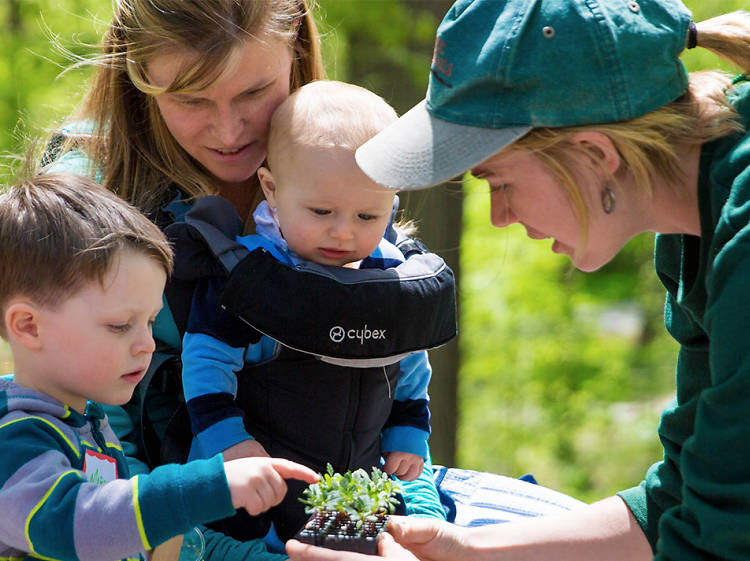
[[14, 16], [438, 213]]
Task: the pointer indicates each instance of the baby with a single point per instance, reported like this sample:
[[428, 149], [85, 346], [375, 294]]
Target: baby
[[319, 208]]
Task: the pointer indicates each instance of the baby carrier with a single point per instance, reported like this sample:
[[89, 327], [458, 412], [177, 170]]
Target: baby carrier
[[327, 394]]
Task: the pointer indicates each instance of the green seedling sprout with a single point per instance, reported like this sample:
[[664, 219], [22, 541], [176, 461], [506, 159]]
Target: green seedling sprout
[[360, 495]]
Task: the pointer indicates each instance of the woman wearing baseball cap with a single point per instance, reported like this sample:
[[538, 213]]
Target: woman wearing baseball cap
[[588, 129]]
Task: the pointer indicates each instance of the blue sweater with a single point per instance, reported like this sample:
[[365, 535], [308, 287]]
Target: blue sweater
[[211, 357]]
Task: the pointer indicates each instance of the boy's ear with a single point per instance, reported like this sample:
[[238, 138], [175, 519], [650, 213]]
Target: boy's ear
[[268, 184], [22, 323]]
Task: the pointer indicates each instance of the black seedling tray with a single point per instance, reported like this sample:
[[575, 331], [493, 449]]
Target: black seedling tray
[[336, 530]]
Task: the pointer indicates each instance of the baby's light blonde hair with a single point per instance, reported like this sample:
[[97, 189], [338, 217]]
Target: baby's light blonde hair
[[329, 114], [324, 114]]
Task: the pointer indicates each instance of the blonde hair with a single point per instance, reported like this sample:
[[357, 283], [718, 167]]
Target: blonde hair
[[131, 143], [327, 113], [648, 144], [59, 231]]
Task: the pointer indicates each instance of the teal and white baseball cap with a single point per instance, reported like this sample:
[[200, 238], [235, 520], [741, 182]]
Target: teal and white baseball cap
[[503, 67]]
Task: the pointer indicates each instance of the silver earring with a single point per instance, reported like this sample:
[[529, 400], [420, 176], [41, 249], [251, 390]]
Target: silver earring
[[608, 200]]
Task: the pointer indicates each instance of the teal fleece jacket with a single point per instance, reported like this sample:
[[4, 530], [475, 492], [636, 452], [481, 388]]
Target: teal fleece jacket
[[695, 504], [66, 494]]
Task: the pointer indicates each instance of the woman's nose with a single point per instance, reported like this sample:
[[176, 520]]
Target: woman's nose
[[228, 125], [500, 213]]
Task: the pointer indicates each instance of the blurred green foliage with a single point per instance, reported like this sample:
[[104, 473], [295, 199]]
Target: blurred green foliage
[[33, 94], [563, 374]]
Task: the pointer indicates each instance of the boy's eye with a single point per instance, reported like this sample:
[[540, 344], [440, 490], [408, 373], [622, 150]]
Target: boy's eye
[[321, 211], [119, 327], [366, 217]]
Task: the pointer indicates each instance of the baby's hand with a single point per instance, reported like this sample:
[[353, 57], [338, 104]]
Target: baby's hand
[[405, 466], [249, 448], [257, 484]]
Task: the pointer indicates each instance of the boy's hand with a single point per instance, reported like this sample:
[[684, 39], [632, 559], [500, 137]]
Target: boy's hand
[[405, 466], [249, 448], [257, 484]]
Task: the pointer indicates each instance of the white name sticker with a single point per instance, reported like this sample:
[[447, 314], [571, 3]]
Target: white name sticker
[[99, 468]]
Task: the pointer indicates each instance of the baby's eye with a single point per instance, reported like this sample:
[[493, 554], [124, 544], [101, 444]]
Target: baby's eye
[[119, 327], [366, 217], [320, 211]]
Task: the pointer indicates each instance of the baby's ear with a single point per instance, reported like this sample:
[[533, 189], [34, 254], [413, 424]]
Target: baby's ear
[[22, 323], [268, 184]]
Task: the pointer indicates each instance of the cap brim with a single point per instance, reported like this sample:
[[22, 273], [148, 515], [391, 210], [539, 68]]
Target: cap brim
[[420, 150]]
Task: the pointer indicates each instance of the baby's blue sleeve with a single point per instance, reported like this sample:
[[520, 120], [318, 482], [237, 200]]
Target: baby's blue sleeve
[[408, 426], [213, 349], [421, 495]]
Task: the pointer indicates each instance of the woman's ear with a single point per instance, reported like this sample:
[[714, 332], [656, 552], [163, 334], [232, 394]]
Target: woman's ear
[[22, 323], [268, 184], [601, 147]]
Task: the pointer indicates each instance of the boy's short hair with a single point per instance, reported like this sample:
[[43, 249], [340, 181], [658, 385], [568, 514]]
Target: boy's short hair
[[59, 231], [324, 114]]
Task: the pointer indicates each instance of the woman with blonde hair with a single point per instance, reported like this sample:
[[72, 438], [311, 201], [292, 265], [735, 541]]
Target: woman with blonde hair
[[182, 95], [589, 130]]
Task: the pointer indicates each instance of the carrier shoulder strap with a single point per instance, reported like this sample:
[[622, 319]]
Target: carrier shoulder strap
[[211, 223]]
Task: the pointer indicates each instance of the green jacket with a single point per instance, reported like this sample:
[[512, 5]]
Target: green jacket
[[695, 504]]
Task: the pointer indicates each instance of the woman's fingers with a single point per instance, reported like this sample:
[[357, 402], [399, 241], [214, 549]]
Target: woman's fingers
[[412, 530], [388, 548]]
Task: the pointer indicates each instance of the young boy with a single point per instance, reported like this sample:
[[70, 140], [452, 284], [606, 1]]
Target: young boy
[[321, 208], [81, 282]]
